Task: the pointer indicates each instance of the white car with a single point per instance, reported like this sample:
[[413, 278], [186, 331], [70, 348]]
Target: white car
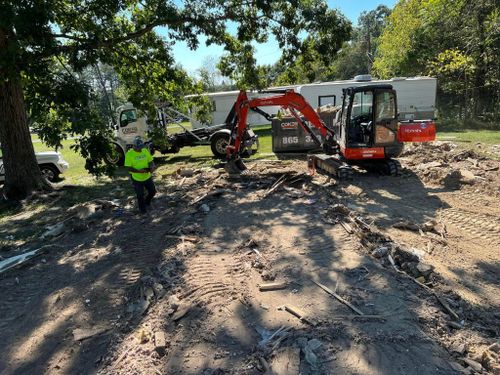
[[51, 165]]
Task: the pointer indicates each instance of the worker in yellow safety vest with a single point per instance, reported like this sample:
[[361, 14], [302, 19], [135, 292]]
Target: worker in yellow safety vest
[[139, 163]]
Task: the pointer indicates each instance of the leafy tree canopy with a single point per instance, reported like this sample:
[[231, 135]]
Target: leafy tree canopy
[[50, 44], [458, 41]]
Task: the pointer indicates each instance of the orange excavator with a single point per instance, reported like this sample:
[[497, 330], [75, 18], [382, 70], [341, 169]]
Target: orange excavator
[[365, 132]]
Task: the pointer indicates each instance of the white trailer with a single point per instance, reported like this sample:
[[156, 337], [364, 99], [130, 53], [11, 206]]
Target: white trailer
[[416, 97], [222, 102]]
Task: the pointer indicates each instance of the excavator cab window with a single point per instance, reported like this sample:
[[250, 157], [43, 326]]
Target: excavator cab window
[[385, 117], [386, 106], [361, 118]]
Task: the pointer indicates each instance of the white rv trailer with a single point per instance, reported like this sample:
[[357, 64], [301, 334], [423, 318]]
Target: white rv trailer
[[416, 97], [222, 102]]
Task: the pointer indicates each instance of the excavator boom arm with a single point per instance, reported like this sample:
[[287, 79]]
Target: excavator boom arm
[[289, 100]]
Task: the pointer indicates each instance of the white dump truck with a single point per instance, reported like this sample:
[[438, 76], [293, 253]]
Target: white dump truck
[[131, 124]]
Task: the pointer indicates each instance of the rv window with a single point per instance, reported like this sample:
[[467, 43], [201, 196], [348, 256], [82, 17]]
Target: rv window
[[386, 110], [362, 105], [127, 117], [326, 99]]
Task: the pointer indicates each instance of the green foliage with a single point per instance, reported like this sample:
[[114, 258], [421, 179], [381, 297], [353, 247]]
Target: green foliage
[[202, 107], [59, 48], [345, 61], [158, 135], [457, 41], [452, 67], [399, 41], [303, 59], [351, 61]]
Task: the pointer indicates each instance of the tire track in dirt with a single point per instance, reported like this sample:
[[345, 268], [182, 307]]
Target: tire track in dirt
[[102, 272], [212, 276], [13, 302], [133, 264], [478, 226]]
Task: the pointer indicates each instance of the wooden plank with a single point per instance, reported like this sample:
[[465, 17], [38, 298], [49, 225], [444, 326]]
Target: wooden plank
[[276, 185], [452, 313], [272, 286], [182, 310], [339, 298], [347, 227], [160, 342], [183, 238], [295, 311]]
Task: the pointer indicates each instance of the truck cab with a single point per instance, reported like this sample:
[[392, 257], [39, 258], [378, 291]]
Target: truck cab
[[130, 125]]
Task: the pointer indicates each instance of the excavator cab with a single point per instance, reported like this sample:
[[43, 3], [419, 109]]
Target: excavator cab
[[368, 123]]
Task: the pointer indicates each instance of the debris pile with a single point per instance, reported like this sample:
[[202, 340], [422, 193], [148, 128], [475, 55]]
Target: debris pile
[[444, 164]]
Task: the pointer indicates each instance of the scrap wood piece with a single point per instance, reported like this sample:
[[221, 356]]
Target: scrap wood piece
[[182, 311], [276, 185], [80, 334], [295, 311], [447, 307], [347, 227], [355, 317], [393, 264], [259, 254], [281, 334], [339, 298], [443, 303], [265, 365], [200, 198], [11, 262], [160, 342], [183, 238], [266, 287], [212, 193], [122, 356], [16, 260]]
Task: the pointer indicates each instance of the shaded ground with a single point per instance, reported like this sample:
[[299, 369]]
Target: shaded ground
[[129, 278]]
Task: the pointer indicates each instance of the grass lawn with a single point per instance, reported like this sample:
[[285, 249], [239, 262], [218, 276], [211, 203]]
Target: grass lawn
[[198, 156], [489, 137], [202, 155]]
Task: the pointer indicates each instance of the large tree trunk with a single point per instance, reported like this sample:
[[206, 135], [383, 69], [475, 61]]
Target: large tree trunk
[[22, 174]]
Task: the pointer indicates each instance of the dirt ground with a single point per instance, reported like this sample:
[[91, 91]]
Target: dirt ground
[[410, 265]]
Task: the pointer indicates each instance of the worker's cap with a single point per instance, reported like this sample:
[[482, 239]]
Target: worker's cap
[[138, 142]]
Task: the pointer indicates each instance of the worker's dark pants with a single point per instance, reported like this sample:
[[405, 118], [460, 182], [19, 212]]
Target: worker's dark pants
[[139, 187]]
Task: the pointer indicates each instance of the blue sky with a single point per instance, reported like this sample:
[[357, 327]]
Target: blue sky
[[268, 53]]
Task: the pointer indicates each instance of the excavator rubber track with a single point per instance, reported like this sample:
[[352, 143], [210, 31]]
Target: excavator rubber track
[[332, 165], [392, 167], [388, 167]]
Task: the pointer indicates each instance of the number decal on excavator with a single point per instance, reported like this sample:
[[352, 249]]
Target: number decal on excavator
[[290, 140]]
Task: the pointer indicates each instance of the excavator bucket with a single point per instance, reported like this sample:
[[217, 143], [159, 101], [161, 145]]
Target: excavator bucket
[[235, 166]]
